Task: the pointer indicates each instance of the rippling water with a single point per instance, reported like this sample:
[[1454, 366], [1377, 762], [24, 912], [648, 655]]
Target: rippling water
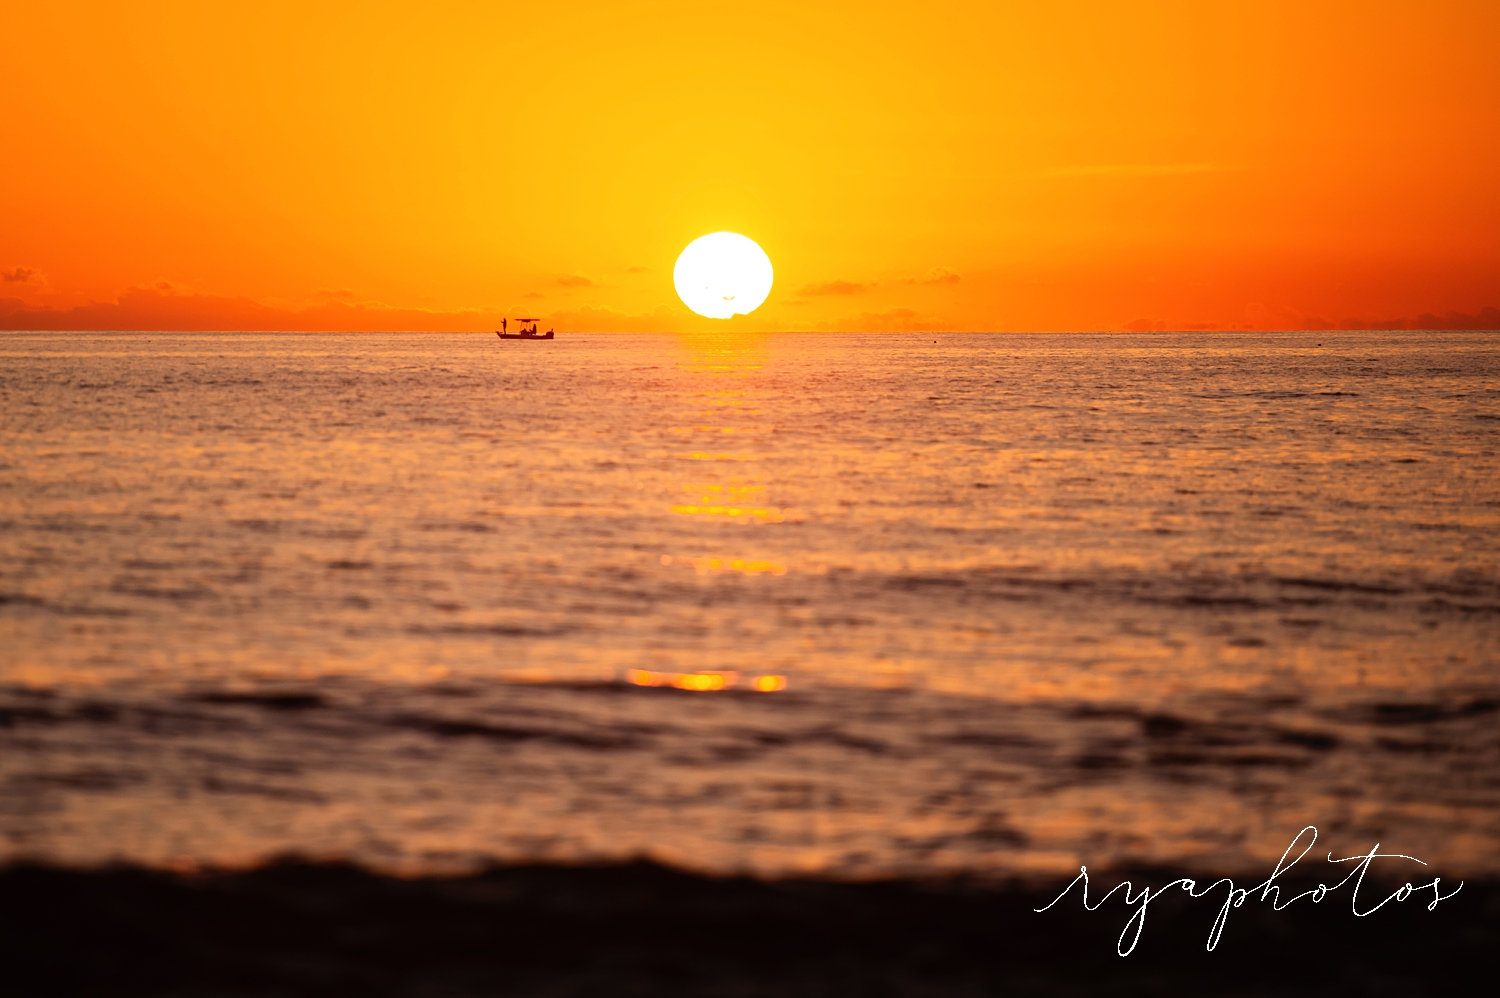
[[851, 605]]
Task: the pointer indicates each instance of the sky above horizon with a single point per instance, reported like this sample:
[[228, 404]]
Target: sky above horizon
[[1000, 165]]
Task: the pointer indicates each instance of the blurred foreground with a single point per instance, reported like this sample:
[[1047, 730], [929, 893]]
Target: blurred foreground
[[643, 929]]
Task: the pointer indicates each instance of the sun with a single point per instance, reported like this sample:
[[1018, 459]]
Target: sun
[[723, 274]]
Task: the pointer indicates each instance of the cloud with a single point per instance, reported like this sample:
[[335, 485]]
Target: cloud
[[533, 294], [158, 309], [637, 270], [341, 294], [575, 281], [938, 275], [834, 288], [18, 275]]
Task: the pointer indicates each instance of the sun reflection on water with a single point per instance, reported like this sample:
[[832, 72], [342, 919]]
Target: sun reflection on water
[[705, 682]]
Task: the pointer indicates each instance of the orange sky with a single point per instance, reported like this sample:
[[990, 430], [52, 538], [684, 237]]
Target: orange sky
[[906, 165]]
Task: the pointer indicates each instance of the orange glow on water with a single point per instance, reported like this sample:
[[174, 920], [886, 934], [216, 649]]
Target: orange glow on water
[[1136, 580]]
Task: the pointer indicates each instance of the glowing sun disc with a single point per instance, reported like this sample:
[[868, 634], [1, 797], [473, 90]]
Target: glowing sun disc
[[723, 274]]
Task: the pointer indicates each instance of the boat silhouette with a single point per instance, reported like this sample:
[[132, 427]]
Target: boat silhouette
[[526, 333]]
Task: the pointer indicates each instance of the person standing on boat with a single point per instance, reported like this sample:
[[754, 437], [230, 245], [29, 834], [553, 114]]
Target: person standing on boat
[[502, 324]]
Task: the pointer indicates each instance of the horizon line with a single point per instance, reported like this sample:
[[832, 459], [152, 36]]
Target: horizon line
[[813, 332]]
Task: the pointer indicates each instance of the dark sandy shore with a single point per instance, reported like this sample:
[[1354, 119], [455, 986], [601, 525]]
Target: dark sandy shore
[[298, 929]]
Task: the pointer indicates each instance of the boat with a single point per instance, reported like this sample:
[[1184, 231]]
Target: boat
[[526, 333]]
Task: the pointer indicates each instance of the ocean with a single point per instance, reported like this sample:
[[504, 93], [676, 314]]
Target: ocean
[[843, 606]]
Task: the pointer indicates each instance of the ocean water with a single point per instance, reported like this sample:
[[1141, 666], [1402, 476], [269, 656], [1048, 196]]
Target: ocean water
[[844, 605]]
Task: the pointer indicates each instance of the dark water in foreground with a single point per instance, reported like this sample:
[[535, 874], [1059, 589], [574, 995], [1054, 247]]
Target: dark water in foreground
[[832, 605]]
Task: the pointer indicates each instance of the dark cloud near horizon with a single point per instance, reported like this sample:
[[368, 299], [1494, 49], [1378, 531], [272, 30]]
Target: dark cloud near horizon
[[1487, 318], [575, 281], [533, 294], [151, 308], [141, 309], [18, 275], [159, 308]]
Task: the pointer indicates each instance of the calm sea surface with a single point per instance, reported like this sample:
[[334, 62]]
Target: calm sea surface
[[849, 605]]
